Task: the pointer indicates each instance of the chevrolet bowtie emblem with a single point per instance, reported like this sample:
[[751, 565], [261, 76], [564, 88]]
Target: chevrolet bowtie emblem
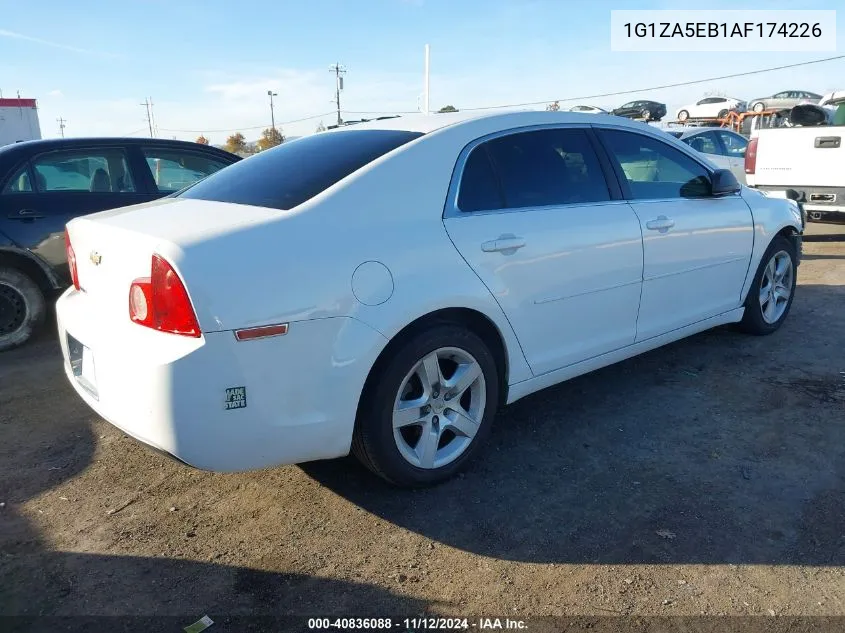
[[95, 258]]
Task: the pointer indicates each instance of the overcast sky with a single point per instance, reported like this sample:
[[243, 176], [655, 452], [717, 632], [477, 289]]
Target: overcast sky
[[207, 64]]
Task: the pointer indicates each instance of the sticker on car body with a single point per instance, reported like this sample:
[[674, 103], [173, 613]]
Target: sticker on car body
[[235, 398]]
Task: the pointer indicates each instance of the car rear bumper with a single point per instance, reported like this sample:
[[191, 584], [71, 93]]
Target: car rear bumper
[[820, 204], [290, 398]]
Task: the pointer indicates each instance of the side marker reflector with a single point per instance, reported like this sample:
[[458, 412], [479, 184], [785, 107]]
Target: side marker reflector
[[250, 334]]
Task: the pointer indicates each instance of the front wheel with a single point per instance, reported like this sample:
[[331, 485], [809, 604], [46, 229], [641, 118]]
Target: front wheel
[[722, 114], [683, 115], [758, 107], [647, 115], [772, 290], [429, 408]]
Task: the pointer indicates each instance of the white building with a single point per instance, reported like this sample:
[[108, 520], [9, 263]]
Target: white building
[[18, 121]]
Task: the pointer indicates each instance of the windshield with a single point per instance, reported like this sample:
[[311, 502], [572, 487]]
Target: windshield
[[294, 172]]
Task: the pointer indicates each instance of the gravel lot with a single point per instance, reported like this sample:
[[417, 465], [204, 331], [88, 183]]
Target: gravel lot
[[704, 477]]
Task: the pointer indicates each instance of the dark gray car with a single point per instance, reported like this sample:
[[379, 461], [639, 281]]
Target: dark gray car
[[45, 184]]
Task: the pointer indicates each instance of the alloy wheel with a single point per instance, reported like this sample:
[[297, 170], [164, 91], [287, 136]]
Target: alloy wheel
[[776, 286], [439, 408]]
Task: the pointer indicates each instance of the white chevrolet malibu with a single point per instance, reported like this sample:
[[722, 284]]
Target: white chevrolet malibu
[[384, 288]]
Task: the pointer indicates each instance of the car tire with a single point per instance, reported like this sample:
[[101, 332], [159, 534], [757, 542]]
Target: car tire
[[766, 307], [683, 115], [646, 115], [758, 107], [390, 439], [22, 308], [722, 114]]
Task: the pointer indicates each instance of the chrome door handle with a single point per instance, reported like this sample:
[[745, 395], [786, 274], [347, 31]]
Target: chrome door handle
[[503, 244], [662, 224]]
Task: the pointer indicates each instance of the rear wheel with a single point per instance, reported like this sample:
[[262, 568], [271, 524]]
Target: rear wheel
[[683, 115], [759, 106], [647, 115], [22, 308], [722, 114], [773, 289], [429, 409]]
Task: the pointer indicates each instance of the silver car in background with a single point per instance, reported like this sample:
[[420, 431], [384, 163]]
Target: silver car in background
[[783, 100]]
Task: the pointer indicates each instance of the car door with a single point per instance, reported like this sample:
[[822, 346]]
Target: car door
[[704, 108], [534, 216], [64, 184], [734, 147], [779, 100], [696, 247], [628, 109], [169, 169]]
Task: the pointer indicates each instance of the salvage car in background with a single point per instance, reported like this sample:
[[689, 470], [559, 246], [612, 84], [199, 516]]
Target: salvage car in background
[[783, 100], [645, 110], [279, 311], [710, 108], [587, 109], [724, 148], [44, 184]]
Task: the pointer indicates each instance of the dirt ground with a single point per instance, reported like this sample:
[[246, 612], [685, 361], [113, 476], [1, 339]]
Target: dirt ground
[[707, 477]]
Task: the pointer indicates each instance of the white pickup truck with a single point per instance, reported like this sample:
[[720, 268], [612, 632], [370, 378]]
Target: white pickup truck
[[803, 163]]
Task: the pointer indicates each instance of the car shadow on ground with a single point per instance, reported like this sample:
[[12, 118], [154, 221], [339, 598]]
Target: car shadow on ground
[[721, 448], [48, 590]]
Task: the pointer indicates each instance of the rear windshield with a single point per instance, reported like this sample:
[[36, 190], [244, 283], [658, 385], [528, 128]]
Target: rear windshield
[[296, 171]]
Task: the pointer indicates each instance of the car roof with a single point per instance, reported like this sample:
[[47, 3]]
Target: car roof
[[425, 123], [44, 145]]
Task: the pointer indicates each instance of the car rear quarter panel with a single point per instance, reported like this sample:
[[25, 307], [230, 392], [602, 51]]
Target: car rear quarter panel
[[300, 266]]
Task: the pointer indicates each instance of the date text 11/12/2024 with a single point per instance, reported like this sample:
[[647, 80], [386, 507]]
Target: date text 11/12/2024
[[413, 625]]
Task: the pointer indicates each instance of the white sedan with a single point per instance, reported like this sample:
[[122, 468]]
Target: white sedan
[[383, 288], [711, 108]]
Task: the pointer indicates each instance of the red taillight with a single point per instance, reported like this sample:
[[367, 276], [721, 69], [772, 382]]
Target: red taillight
[[751, 156], [71, 261], [161, 302]]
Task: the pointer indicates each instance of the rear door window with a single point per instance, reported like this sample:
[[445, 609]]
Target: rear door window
[[95, 171], [173, 170], [296, 171]]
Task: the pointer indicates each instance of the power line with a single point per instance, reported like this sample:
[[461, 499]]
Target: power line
[[674, 85], [518, 105]]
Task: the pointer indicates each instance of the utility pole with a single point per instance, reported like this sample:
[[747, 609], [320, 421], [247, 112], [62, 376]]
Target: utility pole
[[147, 104], [272, 94], [153, 117], [426, 81], [61, 123], [339, 71]]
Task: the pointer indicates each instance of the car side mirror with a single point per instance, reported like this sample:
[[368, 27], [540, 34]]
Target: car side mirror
[[724, 183]]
